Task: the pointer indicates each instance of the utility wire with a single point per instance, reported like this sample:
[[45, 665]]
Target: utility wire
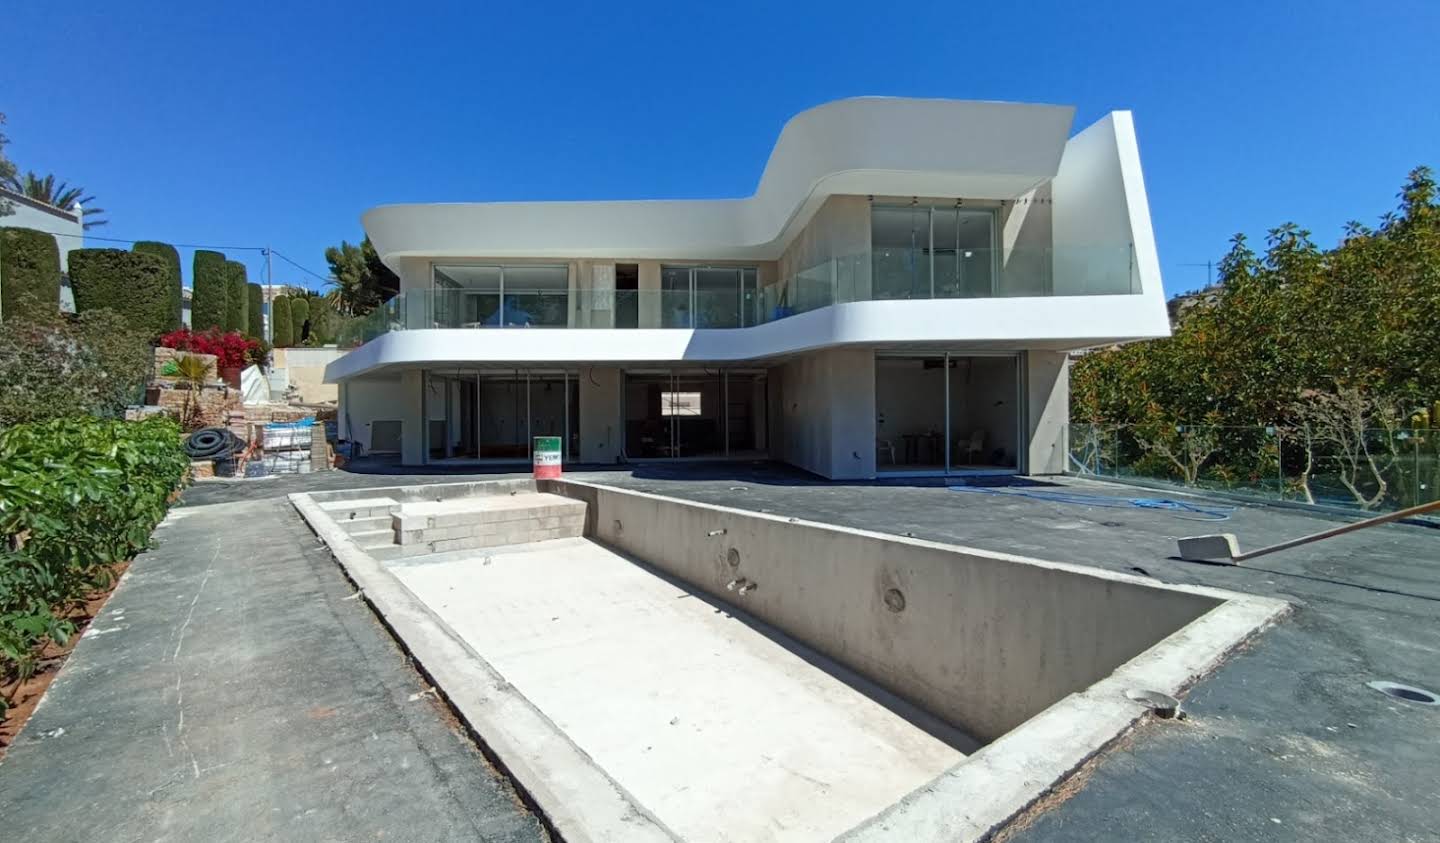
[[176, 245], [261, 249], [326, 278]]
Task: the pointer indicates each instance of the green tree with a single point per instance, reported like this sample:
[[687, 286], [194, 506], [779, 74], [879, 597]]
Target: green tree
[[7, 172], [209, 300], [237, 298], [255, 297], [29, 274], [299, 319], [281, 328], [171, 256], [359, 280], [324, 323], [57, 194], [1284, 335]]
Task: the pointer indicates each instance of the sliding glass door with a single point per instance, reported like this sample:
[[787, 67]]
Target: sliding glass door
[[708, 297], [520, 296], [493, 415], [947, 413], [922, 252], [695, 414]]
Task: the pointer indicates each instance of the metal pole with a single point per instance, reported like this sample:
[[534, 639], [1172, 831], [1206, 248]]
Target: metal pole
[[269, 294], [946, 369]]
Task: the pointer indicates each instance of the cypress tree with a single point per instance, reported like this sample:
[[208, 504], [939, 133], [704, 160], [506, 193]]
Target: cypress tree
[[209, 302]]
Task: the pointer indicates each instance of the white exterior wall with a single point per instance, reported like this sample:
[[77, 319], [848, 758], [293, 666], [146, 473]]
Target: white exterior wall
[[366, 400], [602, 431], [827, 415], [1047, 412]]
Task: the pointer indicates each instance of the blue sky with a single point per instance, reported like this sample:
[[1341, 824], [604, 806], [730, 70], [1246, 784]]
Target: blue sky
[[279, 123]]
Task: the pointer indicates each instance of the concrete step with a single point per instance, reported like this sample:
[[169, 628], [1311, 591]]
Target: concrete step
[[374, 538], [355, 508], [356, 526], [494, 521]]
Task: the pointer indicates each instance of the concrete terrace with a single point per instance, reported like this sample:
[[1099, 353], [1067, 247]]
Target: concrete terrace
[[1284, 741]]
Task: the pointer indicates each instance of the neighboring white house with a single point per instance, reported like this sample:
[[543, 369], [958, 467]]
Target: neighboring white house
[[67, 227], [899, 296]]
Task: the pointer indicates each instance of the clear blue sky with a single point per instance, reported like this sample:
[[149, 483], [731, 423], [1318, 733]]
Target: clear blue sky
[[279, 123]]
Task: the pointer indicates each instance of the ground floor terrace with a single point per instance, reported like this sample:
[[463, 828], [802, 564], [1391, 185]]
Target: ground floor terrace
[[843, 413]]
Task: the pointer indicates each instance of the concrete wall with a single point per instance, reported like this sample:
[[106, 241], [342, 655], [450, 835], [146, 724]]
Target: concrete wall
[[372, 398], [827, 413], [1047, 391], [839, 229], [304, 369], [984, 640], [602, 432]]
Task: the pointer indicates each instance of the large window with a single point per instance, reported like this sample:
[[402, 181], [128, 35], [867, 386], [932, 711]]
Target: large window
[[680, 404], [923, 252], [518, 296]]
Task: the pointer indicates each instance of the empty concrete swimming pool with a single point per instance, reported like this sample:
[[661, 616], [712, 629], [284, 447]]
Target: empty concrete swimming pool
[[650, 668]]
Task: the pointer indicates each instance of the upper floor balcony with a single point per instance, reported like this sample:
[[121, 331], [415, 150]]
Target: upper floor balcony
[[693, 296]]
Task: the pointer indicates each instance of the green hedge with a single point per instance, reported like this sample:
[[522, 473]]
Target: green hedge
[[282, 330], [237, 298], [171, 256], [299, 315], [135, 285], [323, 322], [256, 299], [210, 290], [29, 274], [77, 495]]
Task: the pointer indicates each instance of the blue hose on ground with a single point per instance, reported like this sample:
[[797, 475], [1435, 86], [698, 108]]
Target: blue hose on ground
[[1209, 512]]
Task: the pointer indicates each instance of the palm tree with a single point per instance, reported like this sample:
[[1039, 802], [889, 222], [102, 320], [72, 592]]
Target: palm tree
[[55, 193]]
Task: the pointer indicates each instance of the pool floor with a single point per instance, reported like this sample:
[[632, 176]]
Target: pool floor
[[718, 726]]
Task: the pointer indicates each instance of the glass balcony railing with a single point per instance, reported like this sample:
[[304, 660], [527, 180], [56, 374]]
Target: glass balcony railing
[[881, 275]]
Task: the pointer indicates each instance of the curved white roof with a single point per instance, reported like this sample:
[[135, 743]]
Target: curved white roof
[[867, 145]]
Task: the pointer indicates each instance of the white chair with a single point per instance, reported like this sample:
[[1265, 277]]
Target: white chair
[[974, 448], [884, 446]]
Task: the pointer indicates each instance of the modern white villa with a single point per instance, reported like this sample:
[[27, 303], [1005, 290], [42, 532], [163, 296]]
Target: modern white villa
[[898, 297]]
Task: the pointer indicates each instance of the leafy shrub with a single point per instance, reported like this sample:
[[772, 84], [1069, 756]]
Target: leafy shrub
[[171, 256], [77, 495], [255, 297], [257, 352], [282, 333], [232, 349], [136, 285], [208, 304], [237, 298], [90, 363], [299, 316], [29, 273]]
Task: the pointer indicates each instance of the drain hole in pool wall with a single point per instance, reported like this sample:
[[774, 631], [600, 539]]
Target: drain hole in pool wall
[[619, 528], [733, 557], [1407, 693], [894, 599]]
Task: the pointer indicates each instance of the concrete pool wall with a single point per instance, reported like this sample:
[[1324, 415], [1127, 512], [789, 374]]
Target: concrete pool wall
[[982, 640], [1038, 661]]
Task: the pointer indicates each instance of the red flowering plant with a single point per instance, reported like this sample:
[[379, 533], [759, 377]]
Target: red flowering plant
[[232, 350]]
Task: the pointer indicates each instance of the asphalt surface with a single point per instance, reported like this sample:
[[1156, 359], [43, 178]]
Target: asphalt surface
[[1284, 742], [231, 690]]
